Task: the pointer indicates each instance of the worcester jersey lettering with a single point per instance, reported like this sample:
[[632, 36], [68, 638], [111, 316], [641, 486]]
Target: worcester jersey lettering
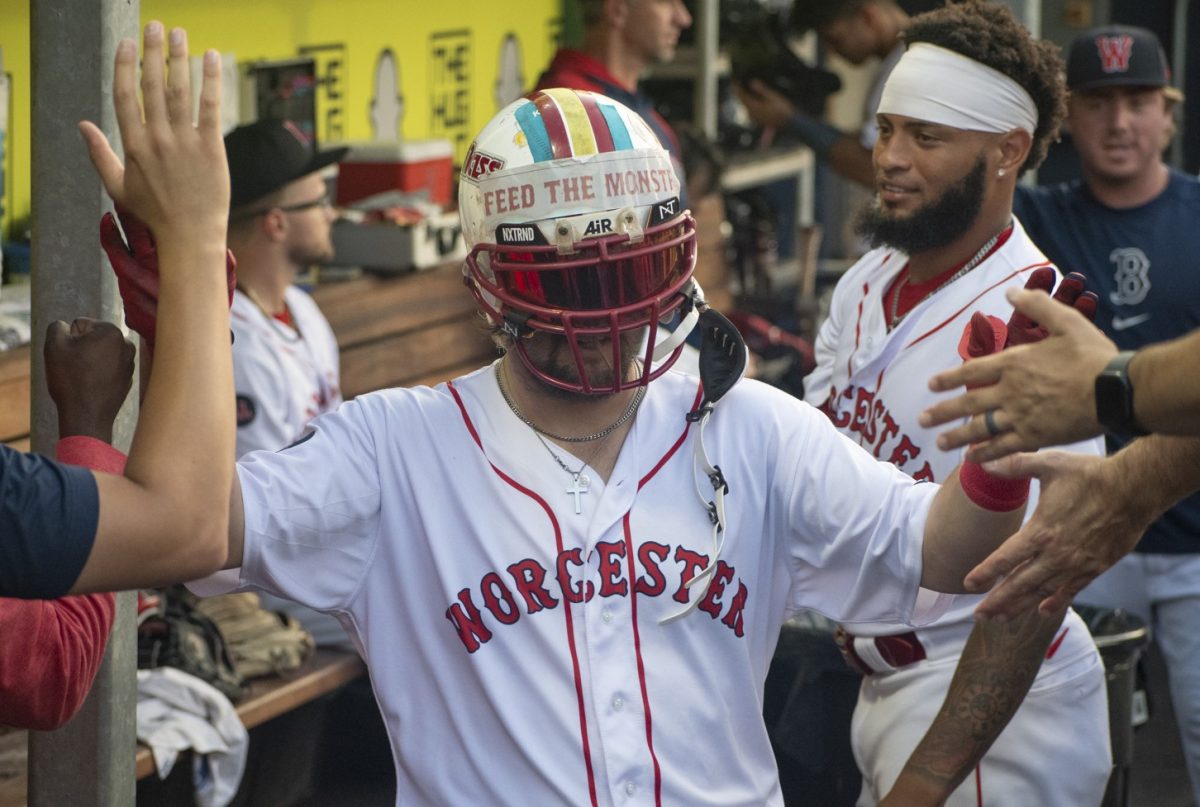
[[872, 384], [517, 648]]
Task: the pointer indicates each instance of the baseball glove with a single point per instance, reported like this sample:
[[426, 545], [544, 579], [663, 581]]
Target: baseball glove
[[262, 642]]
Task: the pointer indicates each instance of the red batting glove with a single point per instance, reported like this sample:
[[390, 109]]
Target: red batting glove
[[985, 334], [136, 266], [982, 336], [1022, 330]]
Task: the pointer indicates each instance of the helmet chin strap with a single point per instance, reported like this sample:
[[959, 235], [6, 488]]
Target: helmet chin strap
[[722, 364], [695, 300]]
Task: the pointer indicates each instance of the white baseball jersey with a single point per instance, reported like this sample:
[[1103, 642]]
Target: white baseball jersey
[[284, 376], [516, 647], [873, 385]]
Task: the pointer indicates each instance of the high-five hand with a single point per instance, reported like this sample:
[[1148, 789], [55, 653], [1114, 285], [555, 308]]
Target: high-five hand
[[173, 164], [1038, 394]]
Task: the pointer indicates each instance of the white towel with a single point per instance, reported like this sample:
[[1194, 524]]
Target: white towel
[[177, 711]]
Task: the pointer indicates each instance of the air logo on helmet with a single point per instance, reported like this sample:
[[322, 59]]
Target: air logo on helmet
[[479, 164], [1114, 52], [665, 211], [598, 227]]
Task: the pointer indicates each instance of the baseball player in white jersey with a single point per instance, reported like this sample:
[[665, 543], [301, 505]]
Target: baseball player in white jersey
[[285, 356], [284, 353], [896, 317], [568, 570], [285, 373], [871, 383]]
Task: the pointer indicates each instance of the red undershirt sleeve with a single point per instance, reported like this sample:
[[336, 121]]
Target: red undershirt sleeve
[[50, 650]]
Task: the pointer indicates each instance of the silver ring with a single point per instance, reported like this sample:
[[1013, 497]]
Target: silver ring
[[989, 422]]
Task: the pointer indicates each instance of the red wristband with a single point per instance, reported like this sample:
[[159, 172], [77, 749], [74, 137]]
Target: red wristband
[[90, 453], [992, 492]]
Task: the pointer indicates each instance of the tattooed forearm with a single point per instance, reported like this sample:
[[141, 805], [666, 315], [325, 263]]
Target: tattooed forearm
[[998, 665]]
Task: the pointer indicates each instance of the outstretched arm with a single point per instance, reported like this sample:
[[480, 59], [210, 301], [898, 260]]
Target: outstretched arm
[[845, 152], [50, 650], [947, 557], [1091, 511], [1166, 383], [1043, 394], [974, 502], [167, 518], [998, 665]]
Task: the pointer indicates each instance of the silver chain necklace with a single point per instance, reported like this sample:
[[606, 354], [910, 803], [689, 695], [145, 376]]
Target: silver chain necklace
[[587, 438], [276, 325], [895, 318]]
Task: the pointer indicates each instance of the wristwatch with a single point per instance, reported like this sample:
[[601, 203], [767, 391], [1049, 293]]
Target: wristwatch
[[1114, 397]]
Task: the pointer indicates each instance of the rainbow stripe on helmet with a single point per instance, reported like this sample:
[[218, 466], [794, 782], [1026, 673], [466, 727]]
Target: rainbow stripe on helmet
[[560, 123]]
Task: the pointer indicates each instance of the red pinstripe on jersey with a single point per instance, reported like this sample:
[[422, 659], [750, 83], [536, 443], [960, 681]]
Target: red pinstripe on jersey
[[971, 303], [858, 329], [1056, 644], [633, 610], [583, 728], [858, 322]]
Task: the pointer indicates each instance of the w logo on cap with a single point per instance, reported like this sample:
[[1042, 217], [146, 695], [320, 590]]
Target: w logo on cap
[[1114, 52]]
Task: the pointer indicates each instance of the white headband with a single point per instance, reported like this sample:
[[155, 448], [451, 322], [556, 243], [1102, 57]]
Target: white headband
[[934, 84]]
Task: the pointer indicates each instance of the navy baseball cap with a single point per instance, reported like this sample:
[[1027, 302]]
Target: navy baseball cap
[[1117, 56], [268, 154]]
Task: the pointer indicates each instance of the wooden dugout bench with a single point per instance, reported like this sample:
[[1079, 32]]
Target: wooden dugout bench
[[264, 699]]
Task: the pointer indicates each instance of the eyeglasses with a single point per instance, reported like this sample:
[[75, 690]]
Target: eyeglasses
[[321, 201]]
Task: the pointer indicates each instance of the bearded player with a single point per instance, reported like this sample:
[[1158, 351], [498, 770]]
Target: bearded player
[[971, 105], [567, 570]]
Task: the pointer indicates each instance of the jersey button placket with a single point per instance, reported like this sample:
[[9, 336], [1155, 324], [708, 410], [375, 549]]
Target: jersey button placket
[[613, 673]]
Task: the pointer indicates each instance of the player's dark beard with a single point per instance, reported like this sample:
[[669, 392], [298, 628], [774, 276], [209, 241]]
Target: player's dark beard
[[559, 363], [935, 225]]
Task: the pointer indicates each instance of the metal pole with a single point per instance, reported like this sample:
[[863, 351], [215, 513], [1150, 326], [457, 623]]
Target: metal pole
[[90, 762], [705, 92], [1179, 70]]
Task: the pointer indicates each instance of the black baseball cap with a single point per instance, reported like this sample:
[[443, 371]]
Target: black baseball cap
[[268, 154], [1117, 56]]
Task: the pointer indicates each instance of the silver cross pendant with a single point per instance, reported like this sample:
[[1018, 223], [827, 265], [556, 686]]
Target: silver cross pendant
[[579, 486]]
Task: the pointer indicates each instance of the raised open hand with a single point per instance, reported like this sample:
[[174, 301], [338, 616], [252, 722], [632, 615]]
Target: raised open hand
[[174, 177]]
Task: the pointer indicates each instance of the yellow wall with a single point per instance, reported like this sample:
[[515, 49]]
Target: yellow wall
[[14, 39], [358, 29]]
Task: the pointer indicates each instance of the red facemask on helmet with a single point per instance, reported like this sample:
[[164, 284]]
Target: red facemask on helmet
[[578, 237]]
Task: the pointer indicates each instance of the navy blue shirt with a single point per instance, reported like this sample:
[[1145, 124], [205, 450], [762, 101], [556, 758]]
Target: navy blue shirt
[[1142, 263], [48, 518]]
